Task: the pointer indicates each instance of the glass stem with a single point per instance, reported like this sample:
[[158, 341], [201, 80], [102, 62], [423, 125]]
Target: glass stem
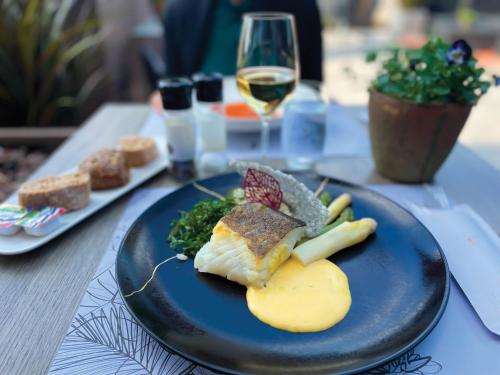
[[264, 139]]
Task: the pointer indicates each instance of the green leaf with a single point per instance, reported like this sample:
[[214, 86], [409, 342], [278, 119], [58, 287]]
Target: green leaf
[[383, 79], [27, 41], [371, 56], [470, 97], [49, 110], [58, 42], [484, 86], [432, 80], [414, 54], [10, 76], [81, 46], [419, 97], [71, 53], [59, 19], [325, 198], [440, 90]]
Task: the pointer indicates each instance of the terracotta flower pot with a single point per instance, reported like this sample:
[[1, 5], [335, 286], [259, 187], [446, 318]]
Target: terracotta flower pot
[[411, 141]]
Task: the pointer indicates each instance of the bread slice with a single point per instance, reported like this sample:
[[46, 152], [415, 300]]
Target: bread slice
[[138, 150], [71, 192], [107, 169]]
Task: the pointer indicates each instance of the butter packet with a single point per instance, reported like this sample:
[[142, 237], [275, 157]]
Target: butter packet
[[9, 216], [41, 222]]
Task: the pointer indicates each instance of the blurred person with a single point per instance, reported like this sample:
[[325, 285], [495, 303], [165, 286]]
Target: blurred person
[[203, 35]]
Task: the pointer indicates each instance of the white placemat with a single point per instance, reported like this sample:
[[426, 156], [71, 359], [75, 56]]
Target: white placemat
[[105, 339], [346, 135], [472, 249]]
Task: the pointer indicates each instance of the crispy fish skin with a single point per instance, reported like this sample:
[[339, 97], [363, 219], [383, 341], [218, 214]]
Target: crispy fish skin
[[261, 226], [228, 253]]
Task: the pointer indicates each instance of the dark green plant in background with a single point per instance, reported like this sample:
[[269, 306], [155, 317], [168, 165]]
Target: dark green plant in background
[[47, 67], [436, 73]]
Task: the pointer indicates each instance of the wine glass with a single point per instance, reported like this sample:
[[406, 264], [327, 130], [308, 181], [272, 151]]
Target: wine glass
[[268, 64]]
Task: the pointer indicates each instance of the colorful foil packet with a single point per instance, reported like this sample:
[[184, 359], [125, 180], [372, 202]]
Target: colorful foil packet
[[9, 216], [38, 218], [41, 222], [35, 222]]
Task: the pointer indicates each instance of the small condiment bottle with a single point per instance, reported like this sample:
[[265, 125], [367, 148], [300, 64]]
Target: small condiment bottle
[[176, 94], [211, 123]]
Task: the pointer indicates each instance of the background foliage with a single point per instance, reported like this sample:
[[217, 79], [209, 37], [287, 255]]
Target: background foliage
[[424, 76], [48, 64]]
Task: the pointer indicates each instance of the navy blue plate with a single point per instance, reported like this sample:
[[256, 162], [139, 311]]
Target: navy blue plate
[[398, 278]]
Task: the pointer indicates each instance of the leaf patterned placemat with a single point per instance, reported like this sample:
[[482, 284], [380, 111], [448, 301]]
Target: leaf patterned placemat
[[104, 338]]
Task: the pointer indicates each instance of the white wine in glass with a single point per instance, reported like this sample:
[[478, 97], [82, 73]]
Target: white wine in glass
[[268, 67]]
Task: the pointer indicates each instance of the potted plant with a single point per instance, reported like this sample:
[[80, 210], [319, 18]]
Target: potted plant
[[418, 105], [48, 61]]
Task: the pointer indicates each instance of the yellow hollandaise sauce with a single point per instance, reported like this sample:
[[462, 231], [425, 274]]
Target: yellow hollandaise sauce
[[301, 298]]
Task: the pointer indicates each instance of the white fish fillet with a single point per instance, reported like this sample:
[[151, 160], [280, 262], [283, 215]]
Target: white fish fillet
[[227, 254]]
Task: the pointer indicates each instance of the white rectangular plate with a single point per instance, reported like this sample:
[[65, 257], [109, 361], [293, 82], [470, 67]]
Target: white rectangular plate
[[22, 243]]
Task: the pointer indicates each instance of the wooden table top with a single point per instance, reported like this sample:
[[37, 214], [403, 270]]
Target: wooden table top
[[41, 290]]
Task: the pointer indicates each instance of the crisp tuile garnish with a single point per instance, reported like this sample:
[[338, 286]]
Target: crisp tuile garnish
[[301, 200], [261, 187]]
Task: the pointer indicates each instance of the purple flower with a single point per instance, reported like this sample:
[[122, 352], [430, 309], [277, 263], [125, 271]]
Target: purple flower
[[496, 80], [459, 53]]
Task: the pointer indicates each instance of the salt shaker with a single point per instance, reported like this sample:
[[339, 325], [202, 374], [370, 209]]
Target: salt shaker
[[210, 121], [176, 94]]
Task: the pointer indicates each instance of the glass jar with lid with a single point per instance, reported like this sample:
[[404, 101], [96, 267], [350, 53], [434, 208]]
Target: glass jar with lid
[[211, 123], [179, 122]]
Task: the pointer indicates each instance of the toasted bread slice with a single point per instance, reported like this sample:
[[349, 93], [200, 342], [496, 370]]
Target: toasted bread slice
[[138, 150], [107, 169], [71, 192]]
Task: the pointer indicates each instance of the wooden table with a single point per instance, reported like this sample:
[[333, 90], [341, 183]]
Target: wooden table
[[40, 291]]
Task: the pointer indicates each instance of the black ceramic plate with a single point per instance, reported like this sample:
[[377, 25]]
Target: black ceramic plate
[[399, 283]]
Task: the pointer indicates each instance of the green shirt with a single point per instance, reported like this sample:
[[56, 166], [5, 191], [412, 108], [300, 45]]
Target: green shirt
[[222, 43]]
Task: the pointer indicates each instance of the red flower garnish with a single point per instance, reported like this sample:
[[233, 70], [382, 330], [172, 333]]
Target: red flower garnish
[[263, 188]]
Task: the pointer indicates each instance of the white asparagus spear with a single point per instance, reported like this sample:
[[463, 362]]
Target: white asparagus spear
[[336, 207], [345, 235]]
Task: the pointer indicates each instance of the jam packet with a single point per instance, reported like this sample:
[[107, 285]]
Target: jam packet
[[41, 222], [9, 216]]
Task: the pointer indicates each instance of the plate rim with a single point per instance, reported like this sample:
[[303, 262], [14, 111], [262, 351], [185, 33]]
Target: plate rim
[[371, 366]]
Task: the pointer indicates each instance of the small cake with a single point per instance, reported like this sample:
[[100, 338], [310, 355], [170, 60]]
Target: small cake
[[71, 192], [138, 150], [107, 169]]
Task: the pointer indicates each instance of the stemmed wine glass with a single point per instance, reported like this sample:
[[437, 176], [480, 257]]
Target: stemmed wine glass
[[268, 64]]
